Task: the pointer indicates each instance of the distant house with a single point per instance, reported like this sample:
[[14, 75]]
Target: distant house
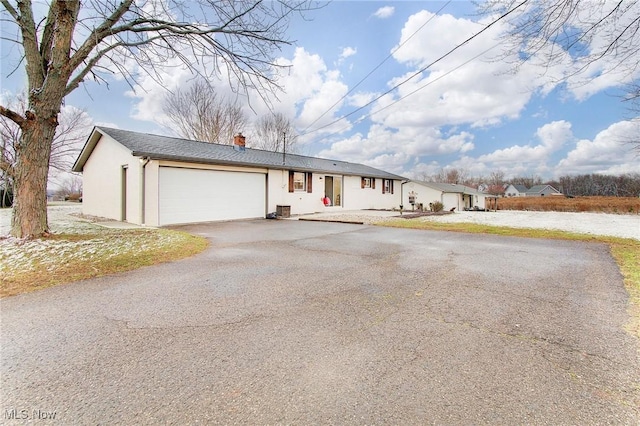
[[542, 190], [535, 191], [515, 191], [158, 180], [452, 196]]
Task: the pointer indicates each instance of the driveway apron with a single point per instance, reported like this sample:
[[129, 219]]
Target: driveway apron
[[292, 322]]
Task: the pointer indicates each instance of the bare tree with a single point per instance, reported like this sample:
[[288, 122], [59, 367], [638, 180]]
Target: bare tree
[[577, 31], [274, 132], [71, 41], [198, 113], [625, 185], [71, 187], [496, 183], [67, 141], [451, 175], [9, 134], [588, 39], [528, 181]]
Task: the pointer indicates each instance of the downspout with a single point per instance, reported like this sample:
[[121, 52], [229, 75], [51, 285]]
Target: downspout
[[143, 161], [402, 195]]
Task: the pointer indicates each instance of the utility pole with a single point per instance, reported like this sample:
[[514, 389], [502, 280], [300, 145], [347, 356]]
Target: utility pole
[[284, 147]]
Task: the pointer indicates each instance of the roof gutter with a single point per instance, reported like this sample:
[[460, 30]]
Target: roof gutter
[[165, 157]]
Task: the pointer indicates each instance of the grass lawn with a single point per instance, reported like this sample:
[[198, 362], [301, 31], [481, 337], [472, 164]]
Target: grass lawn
[[87, 251], [625, 251]]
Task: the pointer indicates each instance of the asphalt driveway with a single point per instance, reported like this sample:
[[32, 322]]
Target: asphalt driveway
[[291, 322]]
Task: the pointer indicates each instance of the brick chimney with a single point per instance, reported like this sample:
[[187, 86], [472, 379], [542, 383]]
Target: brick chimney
[[238, 142]]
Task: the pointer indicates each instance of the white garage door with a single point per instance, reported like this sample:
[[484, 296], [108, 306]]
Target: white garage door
[[193, 195]]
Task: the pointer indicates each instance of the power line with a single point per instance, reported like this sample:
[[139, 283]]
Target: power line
[[419, 88], [504, 15], [375, 68]]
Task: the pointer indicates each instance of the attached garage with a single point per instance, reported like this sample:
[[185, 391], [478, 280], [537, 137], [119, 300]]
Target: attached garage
[[198, 195]]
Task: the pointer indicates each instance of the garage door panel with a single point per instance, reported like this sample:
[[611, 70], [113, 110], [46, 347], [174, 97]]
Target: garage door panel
[[195, 195]]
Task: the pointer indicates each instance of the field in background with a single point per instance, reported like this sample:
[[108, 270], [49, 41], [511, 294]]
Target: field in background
[[618, 205]]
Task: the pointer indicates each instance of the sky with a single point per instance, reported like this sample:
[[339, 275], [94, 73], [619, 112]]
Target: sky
[[347, 91]]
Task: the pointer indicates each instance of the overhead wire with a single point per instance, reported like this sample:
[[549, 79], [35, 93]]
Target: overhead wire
[[501, 17], [430, 82], [377, 66]]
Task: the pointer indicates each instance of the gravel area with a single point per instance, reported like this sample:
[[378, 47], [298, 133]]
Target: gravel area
[[625, 226]]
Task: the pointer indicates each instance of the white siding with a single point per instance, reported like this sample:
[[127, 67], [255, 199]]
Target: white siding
[[101, 181], [301, 202], [358, 198], [424, 195], [451, 200], [353, 197], [188, 195]]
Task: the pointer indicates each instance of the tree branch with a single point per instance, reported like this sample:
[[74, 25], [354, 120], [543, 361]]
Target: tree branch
[[7, 168], [10, 9], [30, 45], [12, 115], [47, 37], [98, 35]]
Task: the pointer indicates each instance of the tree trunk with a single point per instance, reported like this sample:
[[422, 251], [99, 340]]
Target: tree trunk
[[29, 218]]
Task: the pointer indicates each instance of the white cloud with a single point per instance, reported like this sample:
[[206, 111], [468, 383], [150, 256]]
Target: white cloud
[[530, 159], [314, 92], [310, 90], [583, 67], [150, 91], [361, 99], [385, 12], [348, 51], [465, 87], [395, 150], [619, 66], [609, 152], [554, 135]]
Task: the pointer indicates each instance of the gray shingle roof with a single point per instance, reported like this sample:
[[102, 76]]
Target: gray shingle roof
[[451, 188], [539, 188], [520, 188], [170, 148]]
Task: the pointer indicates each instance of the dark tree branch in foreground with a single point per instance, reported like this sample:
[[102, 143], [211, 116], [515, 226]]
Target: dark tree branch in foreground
[[238, 40]]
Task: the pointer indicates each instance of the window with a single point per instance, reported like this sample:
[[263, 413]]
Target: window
[[387, 186], [300, 181], [367, 182]]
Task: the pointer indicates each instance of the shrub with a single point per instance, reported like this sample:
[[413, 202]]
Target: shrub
[[436, 206]]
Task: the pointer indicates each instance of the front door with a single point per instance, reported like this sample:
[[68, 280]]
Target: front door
[[333, 189]]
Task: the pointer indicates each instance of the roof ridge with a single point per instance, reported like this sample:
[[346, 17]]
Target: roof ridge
[[224, 145], [181, 149]]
